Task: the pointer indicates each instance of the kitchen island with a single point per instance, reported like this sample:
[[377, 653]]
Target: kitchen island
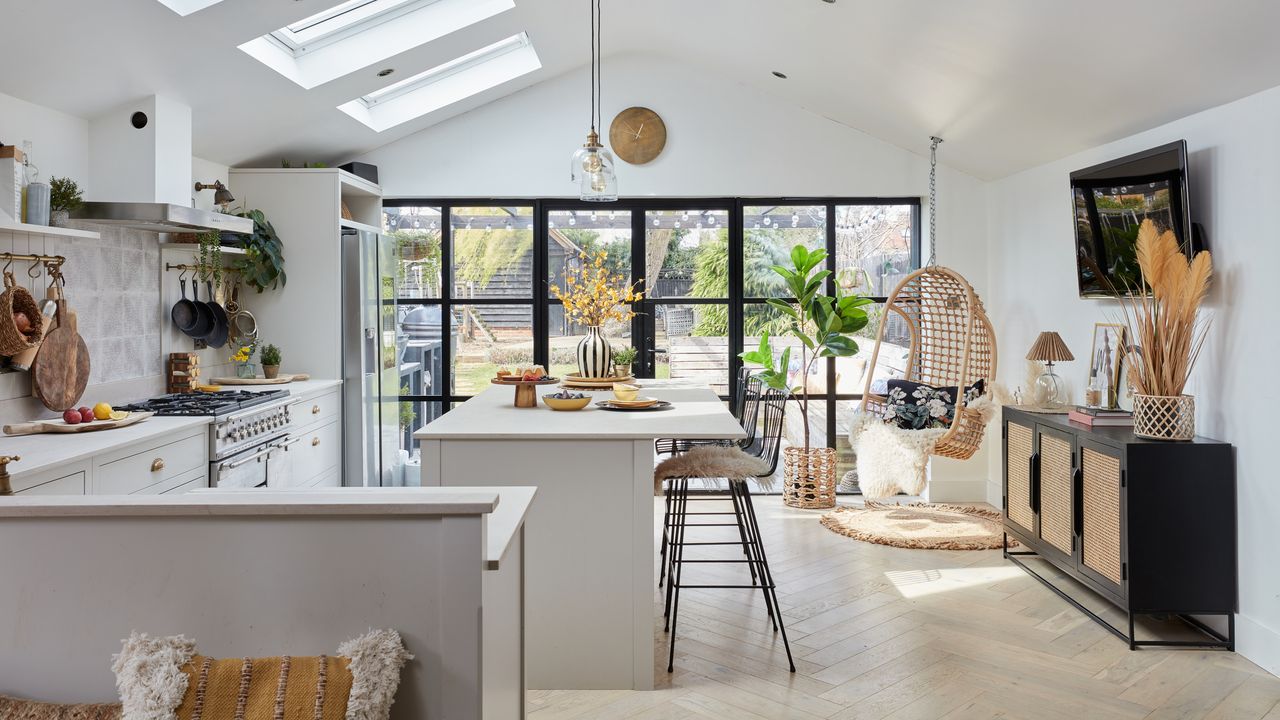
[[591, 581]]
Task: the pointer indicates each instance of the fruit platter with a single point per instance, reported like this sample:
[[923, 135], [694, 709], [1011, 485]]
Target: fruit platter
[[84, 419], [524, 379], [566, 400]]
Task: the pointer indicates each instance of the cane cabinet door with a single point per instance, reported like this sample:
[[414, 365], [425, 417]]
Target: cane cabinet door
[[1054, 489], [1101, 486], [1019, 450]]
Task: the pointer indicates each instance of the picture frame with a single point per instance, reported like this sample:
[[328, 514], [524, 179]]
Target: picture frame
[[1106, 359]]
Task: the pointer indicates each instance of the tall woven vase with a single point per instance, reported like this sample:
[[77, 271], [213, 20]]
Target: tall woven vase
[[809, 477], [595, 356], [1161, 417]]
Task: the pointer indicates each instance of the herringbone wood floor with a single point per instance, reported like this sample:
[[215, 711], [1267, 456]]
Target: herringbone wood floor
[[882, 632]]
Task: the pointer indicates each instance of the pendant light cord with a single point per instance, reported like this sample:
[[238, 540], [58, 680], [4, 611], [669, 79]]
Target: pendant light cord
[[933, 200], [597, 88]]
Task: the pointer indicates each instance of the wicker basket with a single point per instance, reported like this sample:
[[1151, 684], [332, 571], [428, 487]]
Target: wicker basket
[[809, 478], [14, 299], [1164, 417]]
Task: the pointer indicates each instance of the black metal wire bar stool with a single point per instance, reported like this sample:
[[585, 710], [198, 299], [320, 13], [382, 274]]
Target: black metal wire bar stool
[[737, 467], [748, 413], [671, 446]]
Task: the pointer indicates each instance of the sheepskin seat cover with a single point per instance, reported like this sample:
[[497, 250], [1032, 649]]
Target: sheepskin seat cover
[[709, 462], [892, 459]]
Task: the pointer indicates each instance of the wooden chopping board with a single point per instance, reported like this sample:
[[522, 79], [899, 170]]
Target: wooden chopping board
[[280, 379], [60, 371], [36, 427]]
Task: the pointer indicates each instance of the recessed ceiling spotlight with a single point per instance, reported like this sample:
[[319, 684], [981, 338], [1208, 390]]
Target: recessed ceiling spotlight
[[385, 72], [779, 75]]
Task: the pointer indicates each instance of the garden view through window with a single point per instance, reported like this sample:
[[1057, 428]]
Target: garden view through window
[[473, 291]]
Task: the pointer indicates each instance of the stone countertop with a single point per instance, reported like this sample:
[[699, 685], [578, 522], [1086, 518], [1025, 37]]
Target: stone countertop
[[300, 388], [41, 452], [696, 412]]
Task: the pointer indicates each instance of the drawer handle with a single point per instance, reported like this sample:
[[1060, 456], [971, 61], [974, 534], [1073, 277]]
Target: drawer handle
[[157, 465], [315, 409], [315, 442]]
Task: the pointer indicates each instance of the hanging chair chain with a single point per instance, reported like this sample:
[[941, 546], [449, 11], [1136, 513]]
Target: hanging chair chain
[[934, 140]]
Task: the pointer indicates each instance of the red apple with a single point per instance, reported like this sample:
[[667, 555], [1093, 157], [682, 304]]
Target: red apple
[[86, 414], [71, 417]]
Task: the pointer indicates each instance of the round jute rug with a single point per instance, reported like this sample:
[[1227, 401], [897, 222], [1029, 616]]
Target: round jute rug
[[921, 526]]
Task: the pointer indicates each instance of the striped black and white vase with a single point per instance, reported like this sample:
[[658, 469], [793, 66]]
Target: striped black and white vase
[[595, 357]]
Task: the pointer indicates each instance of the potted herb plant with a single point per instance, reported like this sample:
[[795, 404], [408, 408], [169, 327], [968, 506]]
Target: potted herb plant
[[270, 357], [622, 360], [822, 324], [65, 197]]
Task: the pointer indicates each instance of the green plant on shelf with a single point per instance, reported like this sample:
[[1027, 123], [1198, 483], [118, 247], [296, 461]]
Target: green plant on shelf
[[263, 263], [270, 355], [64, 195]]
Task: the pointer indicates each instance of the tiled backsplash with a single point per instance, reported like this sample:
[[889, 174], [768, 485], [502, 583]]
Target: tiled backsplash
[[121, 300]]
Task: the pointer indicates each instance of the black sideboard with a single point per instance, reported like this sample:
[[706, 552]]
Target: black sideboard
[[1148, 525]]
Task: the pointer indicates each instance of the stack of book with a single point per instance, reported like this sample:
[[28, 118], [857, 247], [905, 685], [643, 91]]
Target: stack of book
[[1101, 417]]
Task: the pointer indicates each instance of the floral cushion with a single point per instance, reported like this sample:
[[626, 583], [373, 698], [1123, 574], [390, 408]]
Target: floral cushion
[[916, 406]]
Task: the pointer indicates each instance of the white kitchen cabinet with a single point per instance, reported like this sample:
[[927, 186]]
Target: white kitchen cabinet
[[71, 484], [308, 412], [153, 468], [317, 451], [183, 484]]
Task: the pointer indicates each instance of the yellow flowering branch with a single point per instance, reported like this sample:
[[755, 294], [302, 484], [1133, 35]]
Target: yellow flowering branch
[[593, 296]]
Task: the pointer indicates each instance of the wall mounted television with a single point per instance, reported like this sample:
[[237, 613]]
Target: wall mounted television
[[1110, 202]]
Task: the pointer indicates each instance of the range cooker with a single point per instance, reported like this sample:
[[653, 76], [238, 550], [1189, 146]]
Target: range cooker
[[248, 439]]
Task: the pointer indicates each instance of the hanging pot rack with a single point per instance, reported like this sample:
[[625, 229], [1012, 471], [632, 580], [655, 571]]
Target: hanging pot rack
[[49, 261], [187, 267]]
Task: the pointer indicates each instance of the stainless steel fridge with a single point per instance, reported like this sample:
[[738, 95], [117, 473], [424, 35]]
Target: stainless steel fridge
[[370, 364]]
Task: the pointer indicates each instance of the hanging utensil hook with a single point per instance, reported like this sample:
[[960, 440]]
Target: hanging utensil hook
[[33, 270]]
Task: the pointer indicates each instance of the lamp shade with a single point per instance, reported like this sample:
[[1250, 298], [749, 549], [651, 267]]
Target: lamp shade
[[1049, 348]]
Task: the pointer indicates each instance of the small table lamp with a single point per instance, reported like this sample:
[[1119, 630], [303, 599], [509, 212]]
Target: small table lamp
[[1048, 349]]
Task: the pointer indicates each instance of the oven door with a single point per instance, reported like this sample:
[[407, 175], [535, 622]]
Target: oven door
[[280, 463], [247, 469]]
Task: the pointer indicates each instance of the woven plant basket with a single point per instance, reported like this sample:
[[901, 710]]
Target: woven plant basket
[[14, 299], [1164, 417], [809, 478]]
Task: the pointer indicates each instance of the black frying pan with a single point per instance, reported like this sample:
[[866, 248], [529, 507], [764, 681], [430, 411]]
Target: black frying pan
[[184, 311], [217, 337], [203, 324]]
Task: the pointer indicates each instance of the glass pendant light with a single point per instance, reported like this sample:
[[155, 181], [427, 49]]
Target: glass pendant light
[[592, 166]]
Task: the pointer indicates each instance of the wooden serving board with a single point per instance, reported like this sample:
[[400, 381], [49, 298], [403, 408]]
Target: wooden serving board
[[280, 379], [36, 427]]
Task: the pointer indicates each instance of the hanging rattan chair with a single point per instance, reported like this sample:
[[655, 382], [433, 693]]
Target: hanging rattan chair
[[951, 341]]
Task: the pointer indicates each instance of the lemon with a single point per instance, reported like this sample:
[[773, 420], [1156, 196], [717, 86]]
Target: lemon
[[119, 414], [102, 411]]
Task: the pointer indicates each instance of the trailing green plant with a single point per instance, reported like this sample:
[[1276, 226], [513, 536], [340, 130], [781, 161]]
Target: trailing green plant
[[270, 355], [407, 412], [64, 194], [822, 323], [209, 257], [263, 263]]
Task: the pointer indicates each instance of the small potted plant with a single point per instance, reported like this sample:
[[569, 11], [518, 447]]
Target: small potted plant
[[65, 197], [270, 361], [622, 360]]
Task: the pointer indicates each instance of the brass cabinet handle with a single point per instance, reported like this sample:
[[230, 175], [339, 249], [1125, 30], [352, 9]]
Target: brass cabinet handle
[[315, 442], [315, 409], [157, 465]]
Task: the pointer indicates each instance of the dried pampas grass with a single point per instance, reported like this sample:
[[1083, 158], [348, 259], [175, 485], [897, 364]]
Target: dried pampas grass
[[1165, 325]]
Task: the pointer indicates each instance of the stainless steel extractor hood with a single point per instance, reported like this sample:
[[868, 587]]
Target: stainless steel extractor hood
[[161, 217]]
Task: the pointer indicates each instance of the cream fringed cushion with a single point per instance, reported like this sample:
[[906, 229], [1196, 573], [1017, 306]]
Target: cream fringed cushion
[[165, 679], [15, 709]]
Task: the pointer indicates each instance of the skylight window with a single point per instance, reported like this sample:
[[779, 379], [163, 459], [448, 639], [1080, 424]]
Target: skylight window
[[445, 84], [358, 33], [186, 7]]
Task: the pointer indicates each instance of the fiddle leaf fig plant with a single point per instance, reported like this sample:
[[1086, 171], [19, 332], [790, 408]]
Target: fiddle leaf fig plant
[[822, 323], [263, 262]]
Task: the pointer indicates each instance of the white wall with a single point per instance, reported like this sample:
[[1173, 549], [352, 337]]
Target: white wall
[[724, 139], [59, 142], [1234, 185]]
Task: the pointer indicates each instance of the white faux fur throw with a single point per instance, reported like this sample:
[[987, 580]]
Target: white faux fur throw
[[892, 459], [151, 682], [708, 462]]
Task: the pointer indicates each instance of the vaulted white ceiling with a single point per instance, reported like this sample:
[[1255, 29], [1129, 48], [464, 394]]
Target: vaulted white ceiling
[[1009, 83]]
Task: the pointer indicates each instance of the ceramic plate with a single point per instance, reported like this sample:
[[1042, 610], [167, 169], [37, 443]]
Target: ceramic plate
[[609, 405]]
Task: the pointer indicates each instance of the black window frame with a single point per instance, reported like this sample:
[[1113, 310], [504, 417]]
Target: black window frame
[[638, 208]]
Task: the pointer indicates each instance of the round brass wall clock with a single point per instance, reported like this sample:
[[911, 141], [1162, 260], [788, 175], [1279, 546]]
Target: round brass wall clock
[[637, 135]]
